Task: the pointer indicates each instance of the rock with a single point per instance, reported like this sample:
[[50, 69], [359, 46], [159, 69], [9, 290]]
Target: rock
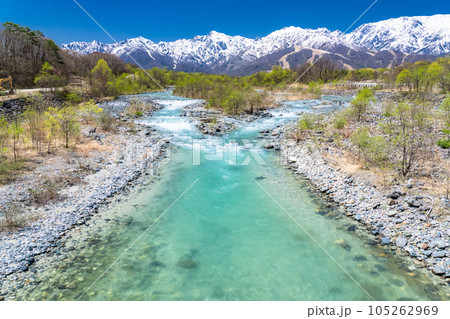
[[423, 246], [401, 242], [358, 217], [427, 253], [394, 195], [392, 202], [342, 243], [187, 264], [413, 203], [441, 244], [392, 213], [385, 241], [438, 271], [438, 254]]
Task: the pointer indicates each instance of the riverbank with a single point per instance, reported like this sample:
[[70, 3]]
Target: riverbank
[[403, 216], [107, 165]]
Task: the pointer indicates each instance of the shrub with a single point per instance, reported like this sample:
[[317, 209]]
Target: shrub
[[360, 138], [89, 111], [4, 135], [48, 191], [374, 149], [444, 143], [11, 217], [314, 88], [307, 122], [339, 122], [137, 108], [361, 103], [9, 170], [72, 98], [106, 121]]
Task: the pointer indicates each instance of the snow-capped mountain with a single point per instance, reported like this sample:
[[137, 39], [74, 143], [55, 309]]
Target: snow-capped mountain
[[379, 44], [419, 35]]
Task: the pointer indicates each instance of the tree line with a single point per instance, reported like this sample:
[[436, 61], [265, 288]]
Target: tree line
[[23, 52]]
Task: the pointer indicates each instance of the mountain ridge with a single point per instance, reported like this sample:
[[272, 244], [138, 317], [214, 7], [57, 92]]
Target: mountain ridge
[[379, 44]]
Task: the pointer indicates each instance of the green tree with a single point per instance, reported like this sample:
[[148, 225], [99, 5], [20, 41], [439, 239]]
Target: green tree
[[373, 148], [102, 79], [47, 78], [363, 100], [404, 77], [4, 135], [34, 121], [408, 133], [68, 124], [52, 126], [444, 73], [16, 132], [445, 112], [89, 110], [234, 102]]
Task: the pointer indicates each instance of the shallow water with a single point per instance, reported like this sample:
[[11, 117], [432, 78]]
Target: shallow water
[[225, 238]]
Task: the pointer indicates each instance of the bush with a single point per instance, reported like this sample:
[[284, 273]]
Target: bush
[[362, 102], [444, 143], [314, 88], [308, 122], [9, 170], [360, 138], [137, 108], [106, 121], [11, 217], [49, 191], [89, 111], [339, 122], [374, 149]]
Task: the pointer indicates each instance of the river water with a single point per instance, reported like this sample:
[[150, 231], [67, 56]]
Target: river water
[[223, 229]]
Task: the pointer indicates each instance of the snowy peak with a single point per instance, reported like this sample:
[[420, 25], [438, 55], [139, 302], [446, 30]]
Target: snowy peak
[[217, 52], [422, 34]]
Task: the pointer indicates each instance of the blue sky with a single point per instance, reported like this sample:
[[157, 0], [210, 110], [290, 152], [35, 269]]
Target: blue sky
[[64, 21]]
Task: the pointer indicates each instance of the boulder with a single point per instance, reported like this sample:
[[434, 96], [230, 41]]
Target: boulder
[[385, 241], [401, 242]]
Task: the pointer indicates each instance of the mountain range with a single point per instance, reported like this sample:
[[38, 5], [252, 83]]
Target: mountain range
[[381, 44]]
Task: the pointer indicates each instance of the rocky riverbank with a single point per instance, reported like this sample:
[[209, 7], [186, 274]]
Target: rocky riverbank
[[128, 156], [398, 218]]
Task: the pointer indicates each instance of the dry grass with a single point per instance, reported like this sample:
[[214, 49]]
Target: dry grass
[[92, 146]]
